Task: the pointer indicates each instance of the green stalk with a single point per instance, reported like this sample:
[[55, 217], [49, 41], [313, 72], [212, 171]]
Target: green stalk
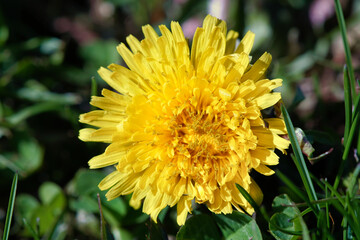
[[327, 209], [356, 110], [348, 105], [10, 209], [356, 106], [342, 25], [349, 120], [354, 127], [296, 191], [302, 168], [248, 198]]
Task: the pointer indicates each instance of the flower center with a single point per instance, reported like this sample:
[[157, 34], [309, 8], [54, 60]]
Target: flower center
[[199, 141]]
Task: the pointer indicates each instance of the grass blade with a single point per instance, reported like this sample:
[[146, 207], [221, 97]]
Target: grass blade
[[301, 165], [248, 198], [356, 106], [295, 190], [341, 20], [103, 235], [10, 209], [354, 127], [348, 105]]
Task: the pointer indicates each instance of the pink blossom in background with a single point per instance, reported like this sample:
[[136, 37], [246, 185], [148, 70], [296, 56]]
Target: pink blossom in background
[[320, 11], [219, 8], [190, 25], [79, 31]]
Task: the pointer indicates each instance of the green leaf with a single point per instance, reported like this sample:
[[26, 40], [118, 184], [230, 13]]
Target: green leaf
[[86, 186], [86, 181], [31, 156], [100, 53], [117, 206], [124, 234], [199, 227], [36, 92], [43, 217], [156, 231], [85, 203], [32, 110], [238, 226], [31, 230], [285, 224], [48, 191], [54, 202], [4, 31], [25, 205]]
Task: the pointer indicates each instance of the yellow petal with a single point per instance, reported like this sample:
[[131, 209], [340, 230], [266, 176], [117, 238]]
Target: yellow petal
[[105, 160], [267, 100], [97, 135], [265, 156], [264, 170], [276, 125], [255, 192], [231, 38], [177, 32], [183, 208], [110, 180], [257, 71], [134, 44], [100, 118], [246, 43]]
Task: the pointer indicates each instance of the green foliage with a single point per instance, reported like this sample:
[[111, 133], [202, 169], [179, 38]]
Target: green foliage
[[201, 227], [238, 226], [42, 215], [285, 224]]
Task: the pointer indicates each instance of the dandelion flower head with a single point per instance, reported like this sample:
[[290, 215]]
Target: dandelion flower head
[[186, 125]]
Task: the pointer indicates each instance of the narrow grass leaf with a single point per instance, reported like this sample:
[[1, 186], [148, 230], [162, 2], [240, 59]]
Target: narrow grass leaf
[[354, 178], [356, 106], [334, 192], [248, 198], [103, 235], [353, 130], [296, 190], [327, 208], [342, 26], [348, 105], [10, 209], [302, 168]]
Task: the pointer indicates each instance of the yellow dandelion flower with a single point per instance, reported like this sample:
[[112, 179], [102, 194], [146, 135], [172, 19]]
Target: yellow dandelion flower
[[186, 125]]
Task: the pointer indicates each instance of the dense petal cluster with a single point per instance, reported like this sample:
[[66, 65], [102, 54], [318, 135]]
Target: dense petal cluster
[[186, 125]]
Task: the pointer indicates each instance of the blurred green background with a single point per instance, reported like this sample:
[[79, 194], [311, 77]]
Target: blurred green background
[[50, 52]]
